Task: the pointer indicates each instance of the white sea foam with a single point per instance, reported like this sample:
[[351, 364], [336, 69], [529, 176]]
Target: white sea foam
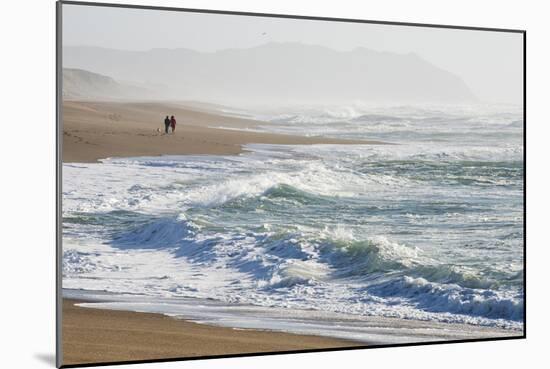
[[371, 330]]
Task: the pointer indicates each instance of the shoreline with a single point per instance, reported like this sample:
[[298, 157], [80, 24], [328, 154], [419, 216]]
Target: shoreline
[[95, 335], [94, 130], [129, 333]]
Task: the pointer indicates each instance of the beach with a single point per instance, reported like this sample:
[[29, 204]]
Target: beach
[[287, 231], [97, 130]]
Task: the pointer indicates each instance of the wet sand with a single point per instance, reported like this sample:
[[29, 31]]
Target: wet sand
[[99, 336]]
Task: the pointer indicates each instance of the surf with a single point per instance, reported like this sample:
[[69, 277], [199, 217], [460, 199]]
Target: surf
[[415, 230]]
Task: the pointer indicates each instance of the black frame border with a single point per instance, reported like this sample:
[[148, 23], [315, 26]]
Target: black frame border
[[59, 166]]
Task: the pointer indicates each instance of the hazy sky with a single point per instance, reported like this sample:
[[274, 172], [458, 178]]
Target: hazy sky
[[490, 63]]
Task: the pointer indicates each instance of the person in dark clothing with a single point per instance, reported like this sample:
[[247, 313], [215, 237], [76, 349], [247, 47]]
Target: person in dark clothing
[[173, 123], [166, 124]]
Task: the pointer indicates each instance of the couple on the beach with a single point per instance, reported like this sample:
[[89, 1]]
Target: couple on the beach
[[169, 122]]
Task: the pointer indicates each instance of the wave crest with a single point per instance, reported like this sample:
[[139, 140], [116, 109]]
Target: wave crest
[[451, 298]]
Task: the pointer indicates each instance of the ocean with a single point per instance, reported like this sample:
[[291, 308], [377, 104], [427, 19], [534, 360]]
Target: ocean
[[318, 239]]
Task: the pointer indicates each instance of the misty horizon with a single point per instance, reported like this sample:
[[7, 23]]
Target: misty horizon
[[278, 73]]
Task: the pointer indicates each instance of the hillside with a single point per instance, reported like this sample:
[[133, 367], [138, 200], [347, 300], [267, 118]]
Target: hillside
[[82, 84]]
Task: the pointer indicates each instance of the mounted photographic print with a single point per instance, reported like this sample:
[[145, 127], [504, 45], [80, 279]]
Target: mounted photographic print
[[238, 184]]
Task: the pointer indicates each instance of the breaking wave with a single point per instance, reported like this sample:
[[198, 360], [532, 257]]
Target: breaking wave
[[430, 228]]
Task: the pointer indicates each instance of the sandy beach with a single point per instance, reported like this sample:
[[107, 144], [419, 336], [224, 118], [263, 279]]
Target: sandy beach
[[96, 130], [96, 336], [130, 227]]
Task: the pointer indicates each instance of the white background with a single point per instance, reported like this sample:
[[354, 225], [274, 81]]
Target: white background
[[27, 203]]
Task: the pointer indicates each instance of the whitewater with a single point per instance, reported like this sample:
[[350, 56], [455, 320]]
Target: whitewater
[[336, 240]]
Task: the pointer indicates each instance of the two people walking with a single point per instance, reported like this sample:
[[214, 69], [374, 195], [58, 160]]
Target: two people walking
[[169, 122]]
